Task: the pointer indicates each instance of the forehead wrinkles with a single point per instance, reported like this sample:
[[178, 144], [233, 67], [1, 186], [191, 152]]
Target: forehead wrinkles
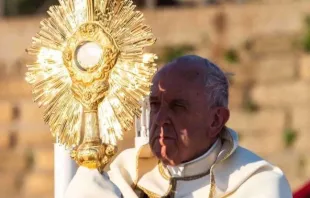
[[187, 77], [177, 91], [175, 76]]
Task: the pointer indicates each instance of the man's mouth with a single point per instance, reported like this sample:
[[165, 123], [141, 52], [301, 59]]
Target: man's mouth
[[166, 138]]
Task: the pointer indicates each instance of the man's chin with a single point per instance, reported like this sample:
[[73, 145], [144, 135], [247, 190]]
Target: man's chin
[[164, 157], [168, 162]]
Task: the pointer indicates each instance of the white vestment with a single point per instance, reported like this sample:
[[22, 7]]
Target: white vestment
[[226, 170]]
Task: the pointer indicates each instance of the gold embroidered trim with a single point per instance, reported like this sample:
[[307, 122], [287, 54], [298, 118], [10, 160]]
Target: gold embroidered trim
[[146, 191], [212, 184], [173, 187], [212, 176], [229, 194], [162, 171], [154, 195]]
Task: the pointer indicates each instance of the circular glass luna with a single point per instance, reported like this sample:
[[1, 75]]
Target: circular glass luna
[[88, 55]]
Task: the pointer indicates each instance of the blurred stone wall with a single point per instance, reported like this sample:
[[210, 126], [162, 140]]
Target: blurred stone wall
[[270, 90]]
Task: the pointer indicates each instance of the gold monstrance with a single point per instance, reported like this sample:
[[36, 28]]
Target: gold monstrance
[[90, 74]]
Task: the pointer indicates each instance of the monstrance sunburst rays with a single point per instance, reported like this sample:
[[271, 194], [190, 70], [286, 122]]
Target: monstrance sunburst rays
[[121, 78]]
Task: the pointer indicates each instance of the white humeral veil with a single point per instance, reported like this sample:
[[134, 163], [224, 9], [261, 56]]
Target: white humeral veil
[[64, 170]]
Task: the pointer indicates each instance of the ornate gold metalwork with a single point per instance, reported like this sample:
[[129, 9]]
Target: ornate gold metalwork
[[91, 73]]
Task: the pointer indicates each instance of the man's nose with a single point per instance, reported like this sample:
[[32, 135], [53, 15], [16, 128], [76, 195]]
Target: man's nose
[[162, 117]]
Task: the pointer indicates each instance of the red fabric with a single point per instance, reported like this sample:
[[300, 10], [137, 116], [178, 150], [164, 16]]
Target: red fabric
[[304, 192]]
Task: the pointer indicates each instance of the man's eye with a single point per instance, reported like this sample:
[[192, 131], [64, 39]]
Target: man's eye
[[177, 106], [154, 105]]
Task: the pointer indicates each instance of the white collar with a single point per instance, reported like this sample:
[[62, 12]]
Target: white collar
[[199, 165]]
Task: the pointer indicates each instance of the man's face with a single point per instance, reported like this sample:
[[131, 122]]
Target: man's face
[[180, 119]]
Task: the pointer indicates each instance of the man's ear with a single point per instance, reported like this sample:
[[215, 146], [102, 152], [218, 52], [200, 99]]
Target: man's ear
[[220, 116]]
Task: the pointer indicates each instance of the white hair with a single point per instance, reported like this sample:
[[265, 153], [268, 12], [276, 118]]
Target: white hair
[[217, 85], [216, 81]]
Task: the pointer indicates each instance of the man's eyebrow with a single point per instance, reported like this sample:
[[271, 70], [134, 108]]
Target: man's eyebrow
[[152, 98], [180, 101]]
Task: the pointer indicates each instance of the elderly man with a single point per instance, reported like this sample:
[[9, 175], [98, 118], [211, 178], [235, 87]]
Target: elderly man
[[191, 153]]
